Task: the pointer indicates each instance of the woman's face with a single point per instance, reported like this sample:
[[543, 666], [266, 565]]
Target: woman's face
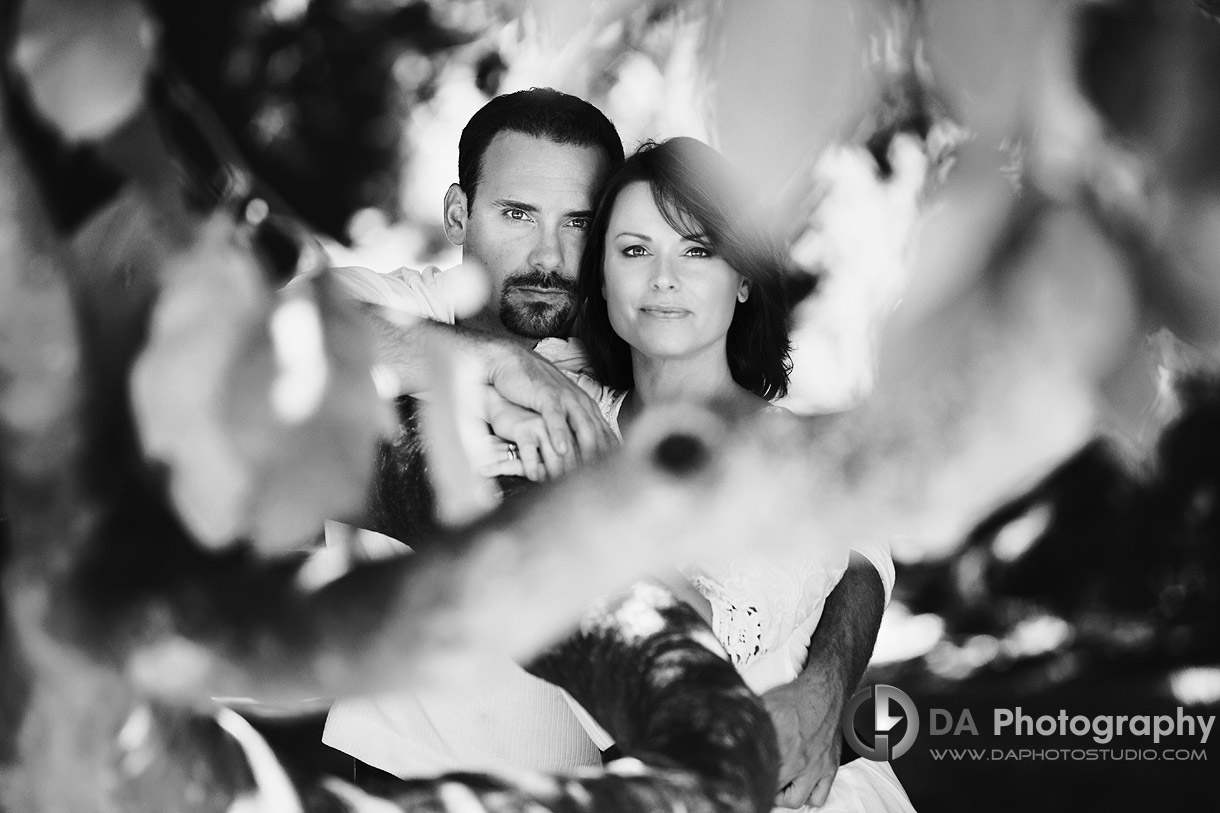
[[667, 296]]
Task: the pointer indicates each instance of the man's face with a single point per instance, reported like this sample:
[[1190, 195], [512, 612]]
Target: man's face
[[527, 226]]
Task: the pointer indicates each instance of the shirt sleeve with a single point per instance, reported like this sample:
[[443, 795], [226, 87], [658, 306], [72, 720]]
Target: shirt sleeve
[[421, 294], [877, 552], [601, 738]]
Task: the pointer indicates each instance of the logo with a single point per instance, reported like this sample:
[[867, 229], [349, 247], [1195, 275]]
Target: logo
[[881, 730]]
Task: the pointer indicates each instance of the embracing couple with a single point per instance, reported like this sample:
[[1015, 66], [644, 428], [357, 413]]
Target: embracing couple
[[674, 293]]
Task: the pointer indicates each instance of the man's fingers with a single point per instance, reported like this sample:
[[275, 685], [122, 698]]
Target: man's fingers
[[796, 792], [552, 458], [559, 434], [532, 461], [594, 432], [555, 463], [791, 766], [574, 422], [606, 440], [589, 437], [821, 791], [793, 761]]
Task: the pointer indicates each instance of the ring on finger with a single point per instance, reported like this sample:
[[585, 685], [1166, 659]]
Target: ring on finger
[[513, 452]]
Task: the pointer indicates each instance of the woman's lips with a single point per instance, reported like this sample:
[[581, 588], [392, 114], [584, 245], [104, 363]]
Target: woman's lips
[[664, 312]]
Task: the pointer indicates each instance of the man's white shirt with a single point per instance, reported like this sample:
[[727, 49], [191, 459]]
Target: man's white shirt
[[504, 718]]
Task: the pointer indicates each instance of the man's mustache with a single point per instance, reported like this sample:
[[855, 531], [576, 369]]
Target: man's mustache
[[541, 280]]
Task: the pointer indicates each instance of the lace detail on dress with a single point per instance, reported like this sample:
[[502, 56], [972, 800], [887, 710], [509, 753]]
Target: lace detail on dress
[[736, 619], [764, 613]]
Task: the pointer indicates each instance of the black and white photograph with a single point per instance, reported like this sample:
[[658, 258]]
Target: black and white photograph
[[641, 406]]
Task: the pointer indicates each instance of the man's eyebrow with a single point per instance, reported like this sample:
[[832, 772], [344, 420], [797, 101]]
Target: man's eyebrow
[[516, 204]]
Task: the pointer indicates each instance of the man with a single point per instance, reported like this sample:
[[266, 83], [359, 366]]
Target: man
[[529, 165]]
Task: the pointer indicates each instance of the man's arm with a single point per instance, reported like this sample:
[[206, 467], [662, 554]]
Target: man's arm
[[569, 424], [806, 711]]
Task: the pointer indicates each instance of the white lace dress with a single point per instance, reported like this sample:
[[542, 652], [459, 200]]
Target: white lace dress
[[764, 613]]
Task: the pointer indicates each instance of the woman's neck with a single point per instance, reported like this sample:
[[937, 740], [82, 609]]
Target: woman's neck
[[663, 381], [701, 378]]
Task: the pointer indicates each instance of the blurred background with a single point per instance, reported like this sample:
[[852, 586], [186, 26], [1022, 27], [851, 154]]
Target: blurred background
[[1005, 217]]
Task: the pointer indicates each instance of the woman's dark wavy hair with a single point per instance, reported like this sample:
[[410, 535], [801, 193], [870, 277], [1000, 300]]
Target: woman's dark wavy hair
[[694, 188]]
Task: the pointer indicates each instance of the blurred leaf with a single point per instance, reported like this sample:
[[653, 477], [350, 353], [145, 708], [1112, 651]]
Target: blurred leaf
[[985, 56], [85, 61], [207, 310], [39, 355], [791, 80], [1150, 68], [310, 461], [857, 243], [242, 461]]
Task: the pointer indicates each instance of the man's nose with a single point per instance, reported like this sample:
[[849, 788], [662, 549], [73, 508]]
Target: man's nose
[[547, 254]]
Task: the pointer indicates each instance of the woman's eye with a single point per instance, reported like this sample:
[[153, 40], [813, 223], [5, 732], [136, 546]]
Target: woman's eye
[[634, 251], [698, 251]]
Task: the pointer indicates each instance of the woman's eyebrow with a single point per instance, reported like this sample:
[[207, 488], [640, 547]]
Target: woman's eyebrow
[[634, 234]]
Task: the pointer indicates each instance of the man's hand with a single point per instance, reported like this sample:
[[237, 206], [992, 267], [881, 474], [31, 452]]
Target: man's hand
[[806, 711], [575, 428], [572, 427], [523, 432], [806, 716]]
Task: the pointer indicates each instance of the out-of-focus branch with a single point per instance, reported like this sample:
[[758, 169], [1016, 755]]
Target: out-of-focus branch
[[48, 513], [515, 582]]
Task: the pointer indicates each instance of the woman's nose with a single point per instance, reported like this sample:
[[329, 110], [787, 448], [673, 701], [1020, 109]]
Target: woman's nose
[[664, 277]]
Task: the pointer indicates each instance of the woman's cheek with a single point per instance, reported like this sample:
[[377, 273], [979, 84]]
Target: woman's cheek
[[615, 300]]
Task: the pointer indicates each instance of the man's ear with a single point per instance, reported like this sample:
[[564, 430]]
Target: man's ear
[[455, 215]]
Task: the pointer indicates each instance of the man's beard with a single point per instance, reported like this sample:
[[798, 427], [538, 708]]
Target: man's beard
[[538, 320]]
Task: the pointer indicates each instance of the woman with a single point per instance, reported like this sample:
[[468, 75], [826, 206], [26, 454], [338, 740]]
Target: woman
[[681, 299], [680, 295]]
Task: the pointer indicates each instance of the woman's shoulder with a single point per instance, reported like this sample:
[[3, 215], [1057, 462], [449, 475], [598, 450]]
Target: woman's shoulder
[[747, 405]]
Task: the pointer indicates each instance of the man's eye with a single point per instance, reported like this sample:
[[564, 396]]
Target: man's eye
[[634, 251], [516, 214]]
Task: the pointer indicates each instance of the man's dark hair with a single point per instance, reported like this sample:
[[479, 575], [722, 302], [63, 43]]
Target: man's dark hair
[[539, 112], [695, 190]]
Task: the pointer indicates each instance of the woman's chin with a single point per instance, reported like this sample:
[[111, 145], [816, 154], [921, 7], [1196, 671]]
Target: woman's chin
[[665, 348]]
